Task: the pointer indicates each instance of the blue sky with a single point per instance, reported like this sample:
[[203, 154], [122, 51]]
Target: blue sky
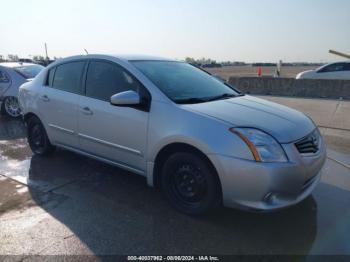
[[240, 30]]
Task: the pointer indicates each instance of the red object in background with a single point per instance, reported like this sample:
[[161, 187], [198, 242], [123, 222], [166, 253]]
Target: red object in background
[[259, 71]]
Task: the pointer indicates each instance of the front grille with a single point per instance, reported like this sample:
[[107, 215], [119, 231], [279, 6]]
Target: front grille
[[309, 144]]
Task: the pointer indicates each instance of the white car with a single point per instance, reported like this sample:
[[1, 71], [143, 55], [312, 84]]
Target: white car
[[339, 71], [12, 76]]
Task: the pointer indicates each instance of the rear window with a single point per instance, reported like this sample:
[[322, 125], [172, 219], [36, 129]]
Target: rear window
[[29, 71]]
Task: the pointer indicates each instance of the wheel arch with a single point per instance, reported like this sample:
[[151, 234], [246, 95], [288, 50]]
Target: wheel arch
[[166, 151], [29, 115]]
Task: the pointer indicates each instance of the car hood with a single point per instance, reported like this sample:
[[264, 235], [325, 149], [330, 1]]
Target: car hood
[[306, 74], [283, 123]]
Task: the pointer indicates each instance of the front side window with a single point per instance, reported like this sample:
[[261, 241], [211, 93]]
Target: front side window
[[105, 80], [3, 77], [184, 83], [29, 71], [68, 77]]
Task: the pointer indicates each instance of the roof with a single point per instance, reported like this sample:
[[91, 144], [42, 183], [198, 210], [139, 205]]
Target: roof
[[345, 61], [141, 57], [15, 64], [121, 57]]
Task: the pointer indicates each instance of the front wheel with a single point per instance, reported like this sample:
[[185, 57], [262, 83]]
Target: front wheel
[[190, 184], [37, 138], [10, 107]]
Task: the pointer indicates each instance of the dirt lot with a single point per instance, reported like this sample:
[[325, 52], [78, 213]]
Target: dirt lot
[[287, 71]]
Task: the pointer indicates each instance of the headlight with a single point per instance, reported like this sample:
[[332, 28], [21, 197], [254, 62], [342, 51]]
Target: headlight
[[263, 146]]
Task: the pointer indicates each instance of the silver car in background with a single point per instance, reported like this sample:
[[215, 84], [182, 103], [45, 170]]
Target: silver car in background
[[12, 76], [335, 71], [199, 140]]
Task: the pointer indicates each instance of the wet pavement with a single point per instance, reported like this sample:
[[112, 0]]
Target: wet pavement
[[70, 204]]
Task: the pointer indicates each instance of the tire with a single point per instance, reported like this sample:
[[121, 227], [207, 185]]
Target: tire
[[10, 107], [190, 184], [37, 138]]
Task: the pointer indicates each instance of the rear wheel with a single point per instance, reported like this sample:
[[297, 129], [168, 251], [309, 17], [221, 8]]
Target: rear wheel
[[10, 107], [37, 138], [190, 184]]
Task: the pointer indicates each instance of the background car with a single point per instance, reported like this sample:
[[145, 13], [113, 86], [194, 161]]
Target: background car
[[12, 76], [339, 70]]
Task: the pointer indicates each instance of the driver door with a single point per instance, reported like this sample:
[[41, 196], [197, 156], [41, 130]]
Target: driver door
[[116, 134]]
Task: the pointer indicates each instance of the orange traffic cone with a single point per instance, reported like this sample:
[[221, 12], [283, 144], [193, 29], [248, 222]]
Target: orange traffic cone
[[259, 71]]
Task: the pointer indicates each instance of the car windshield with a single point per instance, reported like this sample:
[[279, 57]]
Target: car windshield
[[29, 71], [184, 83]]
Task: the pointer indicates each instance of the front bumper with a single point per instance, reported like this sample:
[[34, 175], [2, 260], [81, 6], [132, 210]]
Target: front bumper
[[268, 186]]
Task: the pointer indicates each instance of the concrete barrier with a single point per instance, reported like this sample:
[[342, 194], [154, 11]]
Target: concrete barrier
[[312, 88]]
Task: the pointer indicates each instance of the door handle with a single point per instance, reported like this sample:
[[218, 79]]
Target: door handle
[[45, 98], [87, 111]]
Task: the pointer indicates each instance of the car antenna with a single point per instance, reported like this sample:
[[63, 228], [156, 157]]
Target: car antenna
[[86, 51]]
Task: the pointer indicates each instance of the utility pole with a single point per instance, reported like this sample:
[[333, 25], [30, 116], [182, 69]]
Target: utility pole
[[47, 57]]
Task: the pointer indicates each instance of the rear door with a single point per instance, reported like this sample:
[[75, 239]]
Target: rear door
[[59, 102], [118, 134]]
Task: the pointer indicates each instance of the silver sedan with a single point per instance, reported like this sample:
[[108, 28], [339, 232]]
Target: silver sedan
[[200, 140], [12, 76]]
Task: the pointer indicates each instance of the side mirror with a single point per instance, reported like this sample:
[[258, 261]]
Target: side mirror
[[126, 98]]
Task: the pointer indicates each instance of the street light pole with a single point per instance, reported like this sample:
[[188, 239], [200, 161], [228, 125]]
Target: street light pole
[[339, 54]]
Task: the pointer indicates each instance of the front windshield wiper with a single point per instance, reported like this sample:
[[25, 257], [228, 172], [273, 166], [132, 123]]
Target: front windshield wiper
[[195, 100], [191, 100], [223, 96]]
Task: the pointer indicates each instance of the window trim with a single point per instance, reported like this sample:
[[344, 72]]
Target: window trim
[[147, 97]]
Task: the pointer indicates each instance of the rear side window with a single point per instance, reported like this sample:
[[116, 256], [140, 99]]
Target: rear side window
[[68, 77], [3, 77], [106, 79]]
